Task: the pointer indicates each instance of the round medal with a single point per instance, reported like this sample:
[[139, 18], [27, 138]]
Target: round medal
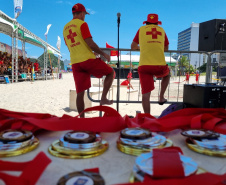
[[81, 178], [135, 133], [80, 137], [15, 136], [199, 133]]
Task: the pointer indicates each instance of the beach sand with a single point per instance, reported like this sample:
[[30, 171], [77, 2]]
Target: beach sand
[[52, 96]]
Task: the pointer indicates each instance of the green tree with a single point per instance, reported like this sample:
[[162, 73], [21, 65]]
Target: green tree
[[54, 61], [202, 68], [183, 65]]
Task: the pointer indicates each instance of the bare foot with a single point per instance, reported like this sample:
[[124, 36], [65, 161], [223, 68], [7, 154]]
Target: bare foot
[[162, 101], [106, 102]]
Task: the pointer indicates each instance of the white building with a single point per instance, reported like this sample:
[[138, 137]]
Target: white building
[[188, 40]]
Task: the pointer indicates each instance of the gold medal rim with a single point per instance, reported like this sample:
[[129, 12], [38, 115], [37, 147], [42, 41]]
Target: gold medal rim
[[204, 151], [131, 150], [56, 146], [20, 151], [80, 155]]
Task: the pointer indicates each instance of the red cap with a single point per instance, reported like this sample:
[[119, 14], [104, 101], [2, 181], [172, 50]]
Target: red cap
[[152, 18], [79, 8]]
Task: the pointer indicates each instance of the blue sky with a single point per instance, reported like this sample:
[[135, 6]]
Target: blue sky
[[176, 15]]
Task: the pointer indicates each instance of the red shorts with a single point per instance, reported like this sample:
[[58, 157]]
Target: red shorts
[[146, 73], [82, 72]]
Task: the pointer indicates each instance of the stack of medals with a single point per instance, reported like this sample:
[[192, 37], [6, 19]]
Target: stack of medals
[[16, 142], [206, 142], [81, 178], [78, 145], [135, 141], [144, 166]]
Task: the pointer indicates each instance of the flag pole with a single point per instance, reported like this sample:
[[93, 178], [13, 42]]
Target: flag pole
[[46, 34], [118, 65], [50, 62]]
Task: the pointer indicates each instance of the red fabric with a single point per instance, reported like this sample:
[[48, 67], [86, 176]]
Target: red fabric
[[125, 82], [110, 122], [83, 70], [187, 76], [167, 163], [85, 31], [197, 77], [31, 170], [94, 170], [130, 75], [36, 65], [214, 119], [153, 18], [146, 73], [113, 52]]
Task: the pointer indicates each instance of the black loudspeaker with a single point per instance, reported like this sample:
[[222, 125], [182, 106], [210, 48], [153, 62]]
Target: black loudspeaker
[[212, 35], [204, 96], [221, 72]]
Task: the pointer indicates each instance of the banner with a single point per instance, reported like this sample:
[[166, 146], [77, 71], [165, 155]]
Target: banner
[[17, 7], [2, 47], [58, 42], [113, 52], [46, 33], [8, 49]]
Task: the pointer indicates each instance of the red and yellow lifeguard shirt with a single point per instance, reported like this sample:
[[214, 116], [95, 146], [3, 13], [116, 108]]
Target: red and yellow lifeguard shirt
[[75, 32], [152, 40]]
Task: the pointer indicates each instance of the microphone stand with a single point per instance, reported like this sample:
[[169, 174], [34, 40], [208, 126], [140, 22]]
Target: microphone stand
[[118, 65]]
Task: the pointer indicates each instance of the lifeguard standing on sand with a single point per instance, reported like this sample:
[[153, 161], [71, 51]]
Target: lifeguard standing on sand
[[128, 81], [187, 76], [84, 62], [197, 77], [153, 42]]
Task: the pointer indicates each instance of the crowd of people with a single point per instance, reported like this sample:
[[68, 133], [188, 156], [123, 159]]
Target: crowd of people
[[24, 65]]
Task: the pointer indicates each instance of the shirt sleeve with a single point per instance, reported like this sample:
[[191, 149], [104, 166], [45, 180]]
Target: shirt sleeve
[[65, 41], [136, 38], [85, 31], [166, 40]]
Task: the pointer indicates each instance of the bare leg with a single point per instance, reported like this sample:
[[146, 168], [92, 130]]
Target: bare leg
[[107, 84], [80, 103], [146, 102], [164, 84]]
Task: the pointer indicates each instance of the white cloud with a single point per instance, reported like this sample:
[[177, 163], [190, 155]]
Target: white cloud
[[66, 2], [90, 11]]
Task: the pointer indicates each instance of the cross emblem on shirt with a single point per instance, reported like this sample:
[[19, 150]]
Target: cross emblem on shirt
[[71, 36], [154, 33]]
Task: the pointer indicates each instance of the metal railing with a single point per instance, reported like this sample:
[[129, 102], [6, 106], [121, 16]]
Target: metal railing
[[174, 92]]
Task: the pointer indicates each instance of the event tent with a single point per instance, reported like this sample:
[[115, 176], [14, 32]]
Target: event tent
[[16, 31]]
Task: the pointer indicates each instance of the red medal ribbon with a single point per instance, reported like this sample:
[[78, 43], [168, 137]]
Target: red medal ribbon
[[31, 170], [112, 121], [167, 163]]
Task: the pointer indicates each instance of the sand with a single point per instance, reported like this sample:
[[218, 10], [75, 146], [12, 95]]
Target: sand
[[52, 96]]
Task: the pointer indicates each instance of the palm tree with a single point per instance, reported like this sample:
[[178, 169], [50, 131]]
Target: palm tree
[[183, 64]]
